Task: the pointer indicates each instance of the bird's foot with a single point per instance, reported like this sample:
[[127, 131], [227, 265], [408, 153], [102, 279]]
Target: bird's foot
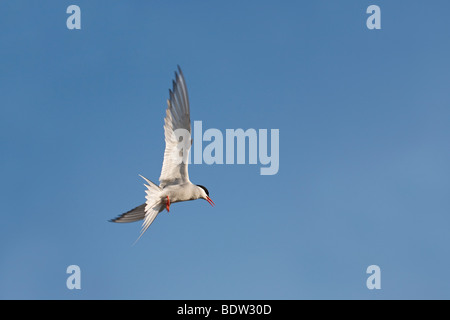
[[168, 204]]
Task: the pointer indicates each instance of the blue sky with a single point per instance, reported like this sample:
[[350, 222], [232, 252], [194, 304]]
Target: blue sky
[[364, 149]]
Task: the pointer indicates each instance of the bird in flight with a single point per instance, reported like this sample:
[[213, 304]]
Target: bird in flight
[[174, 185]]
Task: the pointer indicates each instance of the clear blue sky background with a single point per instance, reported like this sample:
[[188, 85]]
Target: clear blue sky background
[[364, 149]]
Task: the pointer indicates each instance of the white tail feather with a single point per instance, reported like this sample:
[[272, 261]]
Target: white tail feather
[[154, 205]]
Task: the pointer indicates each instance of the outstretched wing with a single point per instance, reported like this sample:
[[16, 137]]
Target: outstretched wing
[[135, 214], [177, 131]]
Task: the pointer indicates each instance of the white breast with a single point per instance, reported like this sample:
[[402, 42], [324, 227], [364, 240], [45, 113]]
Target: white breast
[[181, 192]]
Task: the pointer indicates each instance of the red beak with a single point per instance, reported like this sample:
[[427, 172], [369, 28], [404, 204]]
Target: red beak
[[210, 201]]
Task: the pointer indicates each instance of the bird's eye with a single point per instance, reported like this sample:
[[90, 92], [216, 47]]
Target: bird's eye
[[206, 190]]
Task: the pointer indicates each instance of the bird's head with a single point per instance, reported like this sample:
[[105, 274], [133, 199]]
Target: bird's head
[[204, 194]]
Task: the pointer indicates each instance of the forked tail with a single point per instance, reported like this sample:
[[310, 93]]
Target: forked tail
[[153, 205], [147, 211]]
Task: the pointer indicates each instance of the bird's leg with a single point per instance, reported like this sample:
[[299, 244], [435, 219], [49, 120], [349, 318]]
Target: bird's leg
[[168, 204]]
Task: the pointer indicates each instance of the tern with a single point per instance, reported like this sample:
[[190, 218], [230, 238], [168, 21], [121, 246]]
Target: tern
[[174, 185]]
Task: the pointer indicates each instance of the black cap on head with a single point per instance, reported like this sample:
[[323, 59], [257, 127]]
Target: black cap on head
[[206, 190]]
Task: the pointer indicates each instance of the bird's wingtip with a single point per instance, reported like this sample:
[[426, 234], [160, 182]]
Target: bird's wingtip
[[179, 71]]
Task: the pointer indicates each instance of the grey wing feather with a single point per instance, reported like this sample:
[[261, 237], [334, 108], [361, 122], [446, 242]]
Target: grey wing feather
[[177, 117], [135, 214]]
